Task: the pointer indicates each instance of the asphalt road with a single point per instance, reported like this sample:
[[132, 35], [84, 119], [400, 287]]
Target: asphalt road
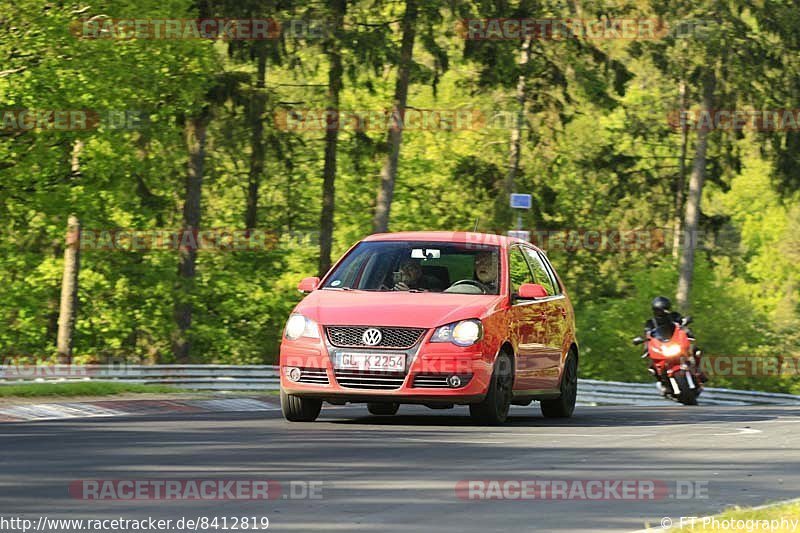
[[399, 473]]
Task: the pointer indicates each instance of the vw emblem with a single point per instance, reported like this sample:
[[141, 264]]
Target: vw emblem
[[372, 337]]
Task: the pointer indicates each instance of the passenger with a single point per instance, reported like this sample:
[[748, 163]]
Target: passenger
[[411, 277]]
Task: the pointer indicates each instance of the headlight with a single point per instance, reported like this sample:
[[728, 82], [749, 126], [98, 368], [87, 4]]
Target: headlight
[[671, 350], [463, 333], [299, 326]]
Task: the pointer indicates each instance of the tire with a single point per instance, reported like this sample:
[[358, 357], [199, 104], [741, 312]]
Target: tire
[[383, 409], [687, 396], [564, 405], [299, 409], [493, 410]]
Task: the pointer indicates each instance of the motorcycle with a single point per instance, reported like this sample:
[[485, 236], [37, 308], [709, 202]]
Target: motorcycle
[[674, 361]]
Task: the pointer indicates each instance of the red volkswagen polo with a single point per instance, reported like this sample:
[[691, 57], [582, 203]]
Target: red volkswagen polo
[[432, 318]]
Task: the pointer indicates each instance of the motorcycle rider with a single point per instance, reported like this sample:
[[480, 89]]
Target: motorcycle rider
[[664, 320]]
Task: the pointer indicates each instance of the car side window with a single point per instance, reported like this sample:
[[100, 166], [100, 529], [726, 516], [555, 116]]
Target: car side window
[[540, 273], [551, 271], [518, 270]]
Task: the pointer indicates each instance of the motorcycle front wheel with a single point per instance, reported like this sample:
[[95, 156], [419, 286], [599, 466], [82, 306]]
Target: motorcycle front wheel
[[688, 395]]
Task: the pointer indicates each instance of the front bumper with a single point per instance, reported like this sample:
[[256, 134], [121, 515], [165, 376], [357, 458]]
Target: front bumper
[[424, 381]]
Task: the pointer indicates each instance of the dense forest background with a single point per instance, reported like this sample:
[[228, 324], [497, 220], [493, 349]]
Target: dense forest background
[[215, 134]]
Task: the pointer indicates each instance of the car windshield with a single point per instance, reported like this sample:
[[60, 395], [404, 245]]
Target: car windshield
[[388, 266]]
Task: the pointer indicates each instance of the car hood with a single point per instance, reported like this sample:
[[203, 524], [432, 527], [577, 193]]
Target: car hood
[[400, 308]]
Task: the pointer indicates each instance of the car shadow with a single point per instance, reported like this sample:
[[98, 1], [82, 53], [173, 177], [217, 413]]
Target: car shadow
[[589, 417]]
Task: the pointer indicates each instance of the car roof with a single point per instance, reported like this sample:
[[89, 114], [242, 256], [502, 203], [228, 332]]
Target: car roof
[[449, 236]]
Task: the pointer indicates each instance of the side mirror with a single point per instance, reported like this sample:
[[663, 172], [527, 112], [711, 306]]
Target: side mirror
[[531, 291], [308, 284], [637, 341], [685, 321]]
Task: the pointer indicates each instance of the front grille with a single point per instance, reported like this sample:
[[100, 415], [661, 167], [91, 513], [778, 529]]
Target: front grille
[[392, 338], [356, 379], [317, 376], [438, 381]]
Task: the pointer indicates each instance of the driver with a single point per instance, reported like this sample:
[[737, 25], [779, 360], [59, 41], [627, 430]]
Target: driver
[[486, 270]]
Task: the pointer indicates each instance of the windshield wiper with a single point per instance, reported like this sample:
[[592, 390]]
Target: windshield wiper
[[338, 288]]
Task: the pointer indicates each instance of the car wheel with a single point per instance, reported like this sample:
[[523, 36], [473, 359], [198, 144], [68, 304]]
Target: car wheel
[[383, 409], [299, 409], [564, 405], [493, 410]]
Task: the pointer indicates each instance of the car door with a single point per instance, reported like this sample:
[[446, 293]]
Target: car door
[[528, 325], [561, 315], [555, 316]]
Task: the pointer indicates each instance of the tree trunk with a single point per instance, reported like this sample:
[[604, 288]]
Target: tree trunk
[[677, 222], [335, 74], [503, 210], [692, 214], [380, 222], [258, 105], [195, 130], [75, 159], [69, 291]]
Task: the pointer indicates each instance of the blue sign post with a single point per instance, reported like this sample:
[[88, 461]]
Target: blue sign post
[[521, 201], [520, 234]]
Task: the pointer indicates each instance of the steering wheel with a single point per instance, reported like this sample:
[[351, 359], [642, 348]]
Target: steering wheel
[[471, 283]]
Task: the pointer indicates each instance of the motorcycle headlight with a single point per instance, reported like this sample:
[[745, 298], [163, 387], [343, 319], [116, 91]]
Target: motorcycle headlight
[[463, 333], [299, 326], [671, 350]]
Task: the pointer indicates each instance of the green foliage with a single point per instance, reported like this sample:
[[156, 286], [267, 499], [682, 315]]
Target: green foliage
[[84, 388], [597, 153]]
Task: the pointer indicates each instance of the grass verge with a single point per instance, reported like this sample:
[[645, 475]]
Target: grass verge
[[784, 518], [82, 388]]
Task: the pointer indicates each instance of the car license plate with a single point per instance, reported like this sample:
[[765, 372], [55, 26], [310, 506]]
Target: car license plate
[[371, 362]]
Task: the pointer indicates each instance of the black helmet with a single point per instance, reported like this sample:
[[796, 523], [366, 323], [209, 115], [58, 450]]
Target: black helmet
[[661, 305]]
